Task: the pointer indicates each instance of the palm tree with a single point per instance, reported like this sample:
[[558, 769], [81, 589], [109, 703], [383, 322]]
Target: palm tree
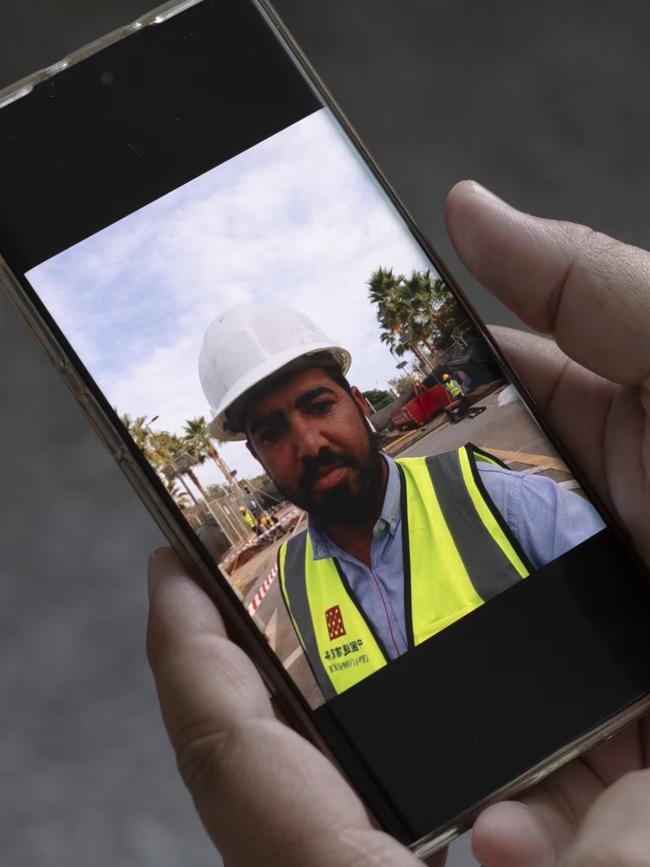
[[199, 442], [188, 490], [181, 497], [437, 312], [395, 313], [174, 459], [429, 304], [168, 449], [138, 430], [416, 311], [165, 451], [159, 449]]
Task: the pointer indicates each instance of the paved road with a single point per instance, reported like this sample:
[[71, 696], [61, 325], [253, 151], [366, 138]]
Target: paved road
[[509, 428]]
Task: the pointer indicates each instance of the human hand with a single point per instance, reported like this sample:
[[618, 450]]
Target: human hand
[[592, 383], [267, 796], [592, 294]]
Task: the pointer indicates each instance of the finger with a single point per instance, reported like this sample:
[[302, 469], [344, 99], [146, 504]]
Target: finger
[[616, 831], [553, 829], [538, 828], [589, 290], [600, 423], [575, 401], [265, 795], [618, 755], [510, 834]]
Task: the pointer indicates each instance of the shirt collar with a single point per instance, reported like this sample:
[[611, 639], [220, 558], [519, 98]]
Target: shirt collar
[[387, 522]]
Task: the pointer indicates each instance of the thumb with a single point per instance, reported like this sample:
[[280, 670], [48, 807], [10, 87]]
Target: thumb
[[589, 290], [616, 830], [265, 795]]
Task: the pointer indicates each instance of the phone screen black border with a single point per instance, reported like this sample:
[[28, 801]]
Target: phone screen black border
[[459, 717]]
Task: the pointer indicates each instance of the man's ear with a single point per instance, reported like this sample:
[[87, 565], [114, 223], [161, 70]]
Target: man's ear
[[360, 399]]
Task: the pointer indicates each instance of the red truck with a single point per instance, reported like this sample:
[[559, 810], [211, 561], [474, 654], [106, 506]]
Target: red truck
[[423, 407]]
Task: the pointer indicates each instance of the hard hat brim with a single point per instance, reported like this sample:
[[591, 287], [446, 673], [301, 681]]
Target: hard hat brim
[[309, 356]]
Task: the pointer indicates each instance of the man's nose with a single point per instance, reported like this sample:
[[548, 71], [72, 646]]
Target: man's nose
[[308, 438]]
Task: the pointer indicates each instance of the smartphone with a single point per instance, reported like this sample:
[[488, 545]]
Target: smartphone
[[303, 398]]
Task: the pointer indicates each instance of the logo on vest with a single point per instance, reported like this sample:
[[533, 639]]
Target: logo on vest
[[334, 621]]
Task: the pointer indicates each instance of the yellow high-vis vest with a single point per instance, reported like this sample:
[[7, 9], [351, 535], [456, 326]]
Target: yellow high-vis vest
[[250, 520], [453, 388], [458, 552]]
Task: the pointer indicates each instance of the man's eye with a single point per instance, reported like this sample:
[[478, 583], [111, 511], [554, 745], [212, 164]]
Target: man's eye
[[269, 435], [320, 407]]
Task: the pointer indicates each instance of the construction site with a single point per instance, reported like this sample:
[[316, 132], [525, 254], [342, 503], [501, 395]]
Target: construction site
[[496, 421]]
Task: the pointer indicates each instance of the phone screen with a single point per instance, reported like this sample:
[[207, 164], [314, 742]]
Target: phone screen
[[300, 375], [291, 246]]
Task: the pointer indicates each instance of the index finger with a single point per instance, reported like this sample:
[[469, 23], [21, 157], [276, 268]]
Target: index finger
[[587, 289]]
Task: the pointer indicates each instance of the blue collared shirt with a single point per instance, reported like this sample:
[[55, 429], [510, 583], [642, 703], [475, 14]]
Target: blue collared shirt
[[546, 519]]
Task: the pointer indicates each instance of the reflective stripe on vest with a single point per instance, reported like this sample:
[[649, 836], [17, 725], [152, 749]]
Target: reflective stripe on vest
[[337, 637], [457, 551]]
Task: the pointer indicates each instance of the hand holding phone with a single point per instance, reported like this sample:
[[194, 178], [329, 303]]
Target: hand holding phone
[[265, 794], [590, 292], [239, 755]]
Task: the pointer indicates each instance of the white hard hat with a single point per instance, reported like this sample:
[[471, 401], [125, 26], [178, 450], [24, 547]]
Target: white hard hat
[[251, 342]]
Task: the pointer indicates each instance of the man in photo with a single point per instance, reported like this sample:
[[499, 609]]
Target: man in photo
[[394, 550]]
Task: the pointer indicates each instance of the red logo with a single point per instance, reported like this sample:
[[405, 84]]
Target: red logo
[[334, 620]]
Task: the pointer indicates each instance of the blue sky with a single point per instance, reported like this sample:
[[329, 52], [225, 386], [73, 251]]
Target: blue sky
[[296, 219]]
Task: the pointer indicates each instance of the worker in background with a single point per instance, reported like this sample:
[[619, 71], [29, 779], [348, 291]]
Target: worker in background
[[454, 390], [459, 527], [456, 393], [267, 521], [250, 520]]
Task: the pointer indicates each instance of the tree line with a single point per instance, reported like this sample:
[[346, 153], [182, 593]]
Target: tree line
[[172, 456], [418, 313]]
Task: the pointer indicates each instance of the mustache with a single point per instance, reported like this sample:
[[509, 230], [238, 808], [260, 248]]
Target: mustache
[[326, 459]]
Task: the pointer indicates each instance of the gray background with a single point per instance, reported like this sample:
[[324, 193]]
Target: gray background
[[545, 103]]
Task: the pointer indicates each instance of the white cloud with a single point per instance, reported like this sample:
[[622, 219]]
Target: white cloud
[[296, 220]]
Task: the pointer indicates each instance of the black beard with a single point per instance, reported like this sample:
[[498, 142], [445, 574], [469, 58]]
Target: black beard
[[342, 505]]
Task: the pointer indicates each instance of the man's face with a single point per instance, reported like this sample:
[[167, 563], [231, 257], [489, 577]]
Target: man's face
[[312, 438]]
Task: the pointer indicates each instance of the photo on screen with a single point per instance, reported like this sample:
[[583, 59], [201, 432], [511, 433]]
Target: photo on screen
[[318, 405]]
